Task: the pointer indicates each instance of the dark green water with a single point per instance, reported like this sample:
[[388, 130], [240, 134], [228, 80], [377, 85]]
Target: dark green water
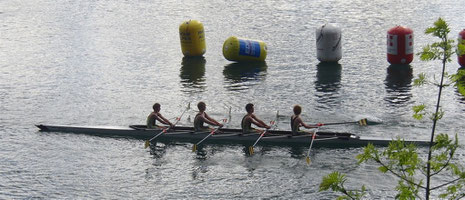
[[107, 62]]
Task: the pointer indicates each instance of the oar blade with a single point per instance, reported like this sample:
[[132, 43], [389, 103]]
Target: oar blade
[[147, 144], [308, 160], [363, 122], [194, 147], [251, 151]]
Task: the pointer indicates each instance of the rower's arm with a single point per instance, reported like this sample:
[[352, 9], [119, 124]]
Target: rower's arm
[[207, 119], [258, 122], [164, 120], [306, 125]]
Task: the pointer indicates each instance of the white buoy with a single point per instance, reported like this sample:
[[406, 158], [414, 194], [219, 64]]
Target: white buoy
[[328, 43]]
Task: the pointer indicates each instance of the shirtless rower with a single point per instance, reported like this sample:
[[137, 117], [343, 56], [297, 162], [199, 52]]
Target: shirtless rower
[[202, 117], [250, 119], [156, 116], [296, 122]]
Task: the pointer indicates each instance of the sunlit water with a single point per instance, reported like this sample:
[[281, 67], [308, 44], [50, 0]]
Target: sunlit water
[[107, 62]]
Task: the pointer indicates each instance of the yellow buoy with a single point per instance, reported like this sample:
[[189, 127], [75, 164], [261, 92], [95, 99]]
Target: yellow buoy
[[192, 37], [240, 49]]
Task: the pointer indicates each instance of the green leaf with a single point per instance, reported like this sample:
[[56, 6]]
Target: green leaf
[[440, 29], [461, 89], [332, 181], [406, 191], [441, 141], [421, 80], [369, 153], [431, 52], [438, 115], [459, 80], [335, 181], [460, 47], [383, 169], [419, 111], [438, 50]]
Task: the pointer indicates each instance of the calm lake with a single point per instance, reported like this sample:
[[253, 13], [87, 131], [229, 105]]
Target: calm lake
[[97, 62]]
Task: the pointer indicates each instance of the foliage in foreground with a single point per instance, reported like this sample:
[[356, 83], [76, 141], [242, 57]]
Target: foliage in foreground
[[402, 159], [335, 181]]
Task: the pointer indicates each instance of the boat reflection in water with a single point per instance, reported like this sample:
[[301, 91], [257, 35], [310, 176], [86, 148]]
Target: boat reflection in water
[[193, 74], [205, 158], [398, 84], [200, 166], [158, 150], [327, 84], [241, 76], [298, 152]]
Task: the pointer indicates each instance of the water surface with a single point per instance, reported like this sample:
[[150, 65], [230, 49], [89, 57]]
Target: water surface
[[106, 63]]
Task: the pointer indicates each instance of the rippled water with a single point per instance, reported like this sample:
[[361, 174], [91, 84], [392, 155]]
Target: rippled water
[[106, 63]]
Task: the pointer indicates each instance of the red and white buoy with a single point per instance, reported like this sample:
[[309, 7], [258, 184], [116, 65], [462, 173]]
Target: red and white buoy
[[461, 39], [400, 45]]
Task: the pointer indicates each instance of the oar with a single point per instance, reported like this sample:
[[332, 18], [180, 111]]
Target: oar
[[194, 147], [311, 143], [251, 150], [147, 142], [225, 123], [362, 122]]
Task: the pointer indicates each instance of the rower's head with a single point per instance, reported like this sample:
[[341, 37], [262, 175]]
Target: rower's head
[[249, 108], [201, 106], [297, 110], [156, 107]]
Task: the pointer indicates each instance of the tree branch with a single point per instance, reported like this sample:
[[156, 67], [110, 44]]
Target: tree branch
[[444, 184], [443, 167], [400, 176]]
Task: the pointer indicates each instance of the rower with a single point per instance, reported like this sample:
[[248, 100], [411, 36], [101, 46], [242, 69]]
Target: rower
[[296, 122], [250, 119], [156, 116], [202, 117]]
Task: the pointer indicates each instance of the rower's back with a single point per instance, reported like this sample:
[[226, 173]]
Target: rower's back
[[199, 119], [246, 124]]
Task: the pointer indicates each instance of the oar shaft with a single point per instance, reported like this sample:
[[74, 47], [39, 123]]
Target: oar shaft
[[311, 144], [272, 123], [161, 132], [205, 137], [179, 118], [211, 133], [336, 123], [361, 122], [261, 135]]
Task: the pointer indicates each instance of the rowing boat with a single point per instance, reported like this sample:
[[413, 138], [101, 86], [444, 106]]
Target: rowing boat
[[227, 135]]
